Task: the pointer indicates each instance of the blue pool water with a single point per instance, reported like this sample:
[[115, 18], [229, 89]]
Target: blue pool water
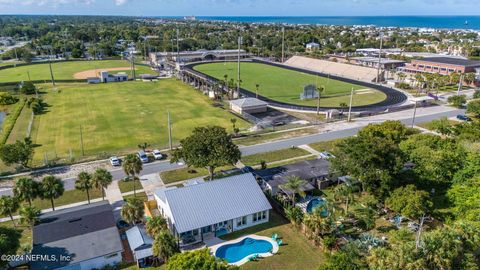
[[235, 252], [314, 203]]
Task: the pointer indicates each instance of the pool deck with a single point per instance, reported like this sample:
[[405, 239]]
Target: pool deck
[[213, 248]]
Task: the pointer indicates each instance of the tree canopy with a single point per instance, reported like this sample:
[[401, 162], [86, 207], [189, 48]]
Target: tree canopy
[[208, 147], [197, 260], [410, 202], [19, 152]]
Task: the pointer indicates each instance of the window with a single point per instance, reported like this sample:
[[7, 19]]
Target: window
[[259, 216], [241, 221]]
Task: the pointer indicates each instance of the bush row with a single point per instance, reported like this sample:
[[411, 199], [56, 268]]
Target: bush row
[[10, 119]]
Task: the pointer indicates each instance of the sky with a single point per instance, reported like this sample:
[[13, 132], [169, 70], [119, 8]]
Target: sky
[[242, 7]]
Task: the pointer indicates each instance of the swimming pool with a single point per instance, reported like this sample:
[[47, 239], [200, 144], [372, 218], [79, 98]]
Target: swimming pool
[[238, 251], [314, 203]]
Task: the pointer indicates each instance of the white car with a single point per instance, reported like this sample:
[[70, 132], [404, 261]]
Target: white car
[[157, 154], [326, 155], [115, 161]]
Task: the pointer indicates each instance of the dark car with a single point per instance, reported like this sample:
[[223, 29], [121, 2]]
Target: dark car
[[463, 117]]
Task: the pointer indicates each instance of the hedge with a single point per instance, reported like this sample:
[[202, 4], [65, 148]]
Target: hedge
[[10, 119]]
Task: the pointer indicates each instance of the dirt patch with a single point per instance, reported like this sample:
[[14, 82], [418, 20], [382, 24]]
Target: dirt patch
[[96, 72]]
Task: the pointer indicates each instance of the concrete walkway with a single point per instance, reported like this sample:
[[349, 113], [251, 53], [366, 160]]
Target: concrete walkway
[[310, 150]]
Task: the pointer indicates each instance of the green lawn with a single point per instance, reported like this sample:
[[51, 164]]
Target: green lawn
[[140, 195], [182, 174], [64, 70], [127, 186], [24, 230], [296, 253], [116, 117], [286, 85], [274, 156], [328, 146]]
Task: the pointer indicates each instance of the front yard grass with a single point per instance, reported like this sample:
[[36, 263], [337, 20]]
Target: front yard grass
[[174, 176], [268, 137], [140, 195], [127, 186], [68, 197], [296, 253], [328, 146], [24, 230], [273, 156]]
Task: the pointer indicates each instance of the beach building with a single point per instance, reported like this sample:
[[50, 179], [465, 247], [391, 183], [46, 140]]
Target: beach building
[[214, 208], [85, 235]]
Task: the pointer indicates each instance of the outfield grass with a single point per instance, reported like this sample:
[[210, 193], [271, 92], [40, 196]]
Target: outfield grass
[[63, 70], [296, 252], [273, 156], [116, 117], [286, 85]]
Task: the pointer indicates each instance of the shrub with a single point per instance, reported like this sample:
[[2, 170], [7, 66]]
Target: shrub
[[476, 94], [404, 86], [9, 121], [473, 107], [7, 99], [28, 88], [457, 101]]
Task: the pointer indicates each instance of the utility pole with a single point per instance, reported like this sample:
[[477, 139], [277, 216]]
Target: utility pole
[[50, 66], [350, 108], [28, 74], [170, 132], [81, 140], [379, 58], [414, 113], [133, 66], [283, 44], [16, 56], [239, 47], [178, 46], [460, 84]]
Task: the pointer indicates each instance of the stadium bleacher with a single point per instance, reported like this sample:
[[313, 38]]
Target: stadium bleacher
[[353, 72]]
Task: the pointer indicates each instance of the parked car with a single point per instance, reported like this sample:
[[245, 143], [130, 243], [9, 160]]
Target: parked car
[[157, 154], [326, 155], [143, 156], [278, 123], [463, 117], [115, 161]]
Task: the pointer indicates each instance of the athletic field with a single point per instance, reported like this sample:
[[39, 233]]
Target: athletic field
[[66, 70], [285, 85], [114, 118]]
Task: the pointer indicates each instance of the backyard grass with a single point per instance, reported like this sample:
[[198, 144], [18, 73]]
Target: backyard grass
[[173, 176], [286, 85], [64, 70], [296, 252], [114, 118], [273, 156], [127, 186]]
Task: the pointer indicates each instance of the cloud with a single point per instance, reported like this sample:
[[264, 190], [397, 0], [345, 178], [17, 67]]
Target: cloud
[[120, 2]]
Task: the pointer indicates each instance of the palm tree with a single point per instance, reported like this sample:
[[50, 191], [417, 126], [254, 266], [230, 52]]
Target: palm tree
[[29, 215], [26, 189], [132, 165], [101, 180], [295, 215], [84, 183], [8, 206], [256, 89], [133, 210], [294, 184], [344, 192], [155, 225], [165, 245], [51, 188]]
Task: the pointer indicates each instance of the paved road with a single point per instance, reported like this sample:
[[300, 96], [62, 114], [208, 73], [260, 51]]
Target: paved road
[[338, 131]]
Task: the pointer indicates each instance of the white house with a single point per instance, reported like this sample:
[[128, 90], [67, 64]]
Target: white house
[[213, 208], [312, 46], [106, 77], [141, 245]]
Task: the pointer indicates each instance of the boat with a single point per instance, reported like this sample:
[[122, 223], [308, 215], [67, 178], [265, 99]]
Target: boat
[[466, 23]]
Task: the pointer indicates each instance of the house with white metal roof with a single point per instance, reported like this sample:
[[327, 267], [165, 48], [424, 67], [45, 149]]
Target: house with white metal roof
[[213, 208], [140, 244]]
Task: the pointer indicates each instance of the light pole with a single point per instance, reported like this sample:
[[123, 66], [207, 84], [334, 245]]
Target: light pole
[[379, 57], [414, 113], [169, 132], [283, 44], [239, 47], [50, 66], [350, 107], [460, 85]]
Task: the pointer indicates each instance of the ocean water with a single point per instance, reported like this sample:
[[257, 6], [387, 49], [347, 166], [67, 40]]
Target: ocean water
[[439, 22]]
